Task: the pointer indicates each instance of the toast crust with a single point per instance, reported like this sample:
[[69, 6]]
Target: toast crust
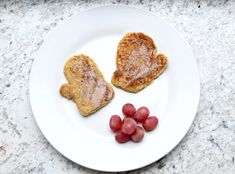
[[86, 85], [137, 62]]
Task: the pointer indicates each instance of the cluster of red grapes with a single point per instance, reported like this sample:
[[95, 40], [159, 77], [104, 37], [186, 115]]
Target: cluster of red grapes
[[128, 128]]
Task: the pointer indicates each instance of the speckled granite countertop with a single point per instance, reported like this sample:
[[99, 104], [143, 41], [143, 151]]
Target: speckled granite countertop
[[207, 25]]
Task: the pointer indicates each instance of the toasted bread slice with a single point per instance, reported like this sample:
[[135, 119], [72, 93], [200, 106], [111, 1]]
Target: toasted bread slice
[[137, 62], [86, 85]]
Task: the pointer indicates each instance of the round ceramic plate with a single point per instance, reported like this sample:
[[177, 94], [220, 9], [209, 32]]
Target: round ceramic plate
[[88, 141]]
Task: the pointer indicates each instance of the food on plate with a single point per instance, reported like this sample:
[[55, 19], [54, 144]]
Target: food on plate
[[115, 123], [150, 123], [138, 135], [121, 137], [137, 62], [128, 128], [129, 125], [141, 114], [86, 85], [128, 109]]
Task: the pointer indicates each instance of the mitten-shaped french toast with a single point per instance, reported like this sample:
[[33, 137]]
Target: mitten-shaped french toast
[[137, 62], [86, 85]]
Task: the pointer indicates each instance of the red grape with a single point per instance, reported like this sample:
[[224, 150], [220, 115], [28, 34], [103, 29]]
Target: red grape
[[141, 114], [150, 123], [138, 135], [129, 125], [128, 109], [121, 137], [115, 123]]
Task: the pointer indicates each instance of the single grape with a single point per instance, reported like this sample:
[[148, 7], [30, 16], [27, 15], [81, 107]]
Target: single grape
[[129, 125], [121, 137], [115, 123], [138, 135], [128, 109], [151, 123], [141, 114]]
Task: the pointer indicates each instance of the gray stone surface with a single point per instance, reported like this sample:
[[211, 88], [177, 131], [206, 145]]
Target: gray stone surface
[[208, 26]]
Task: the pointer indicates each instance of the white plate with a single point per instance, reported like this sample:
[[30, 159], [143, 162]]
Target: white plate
[[173, 97]]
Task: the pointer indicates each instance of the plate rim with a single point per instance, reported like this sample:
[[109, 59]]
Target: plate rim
[[50, 32]]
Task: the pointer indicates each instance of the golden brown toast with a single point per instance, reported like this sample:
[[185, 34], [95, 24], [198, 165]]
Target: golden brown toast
[[137, 62], [86, 85]]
